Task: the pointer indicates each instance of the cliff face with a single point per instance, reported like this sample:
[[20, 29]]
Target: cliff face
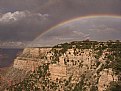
[[106, 76], [31, 58], [90, 67]]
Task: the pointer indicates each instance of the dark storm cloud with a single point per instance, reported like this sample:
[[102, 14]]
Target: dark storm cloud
[[13, 5], [30, 25], [22, 25]]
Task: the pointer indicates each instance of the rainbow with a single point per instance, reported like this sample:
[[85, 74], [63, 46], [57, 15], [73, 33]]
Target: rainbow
[[75, 19]]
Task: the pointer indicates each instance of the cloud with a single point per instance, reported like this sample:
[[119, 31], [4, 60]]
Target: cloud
[[103, 28], [107, 29], [78, 33], [86, 35], [10, 17], [22, 25], [81, 34], [27, 19], [63, 38]]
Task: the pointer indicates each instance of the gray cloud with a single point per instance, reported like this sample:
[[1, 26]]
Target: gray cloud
[[21, 25], [78, 33], [29, 18], [10, 17], [97, 28]]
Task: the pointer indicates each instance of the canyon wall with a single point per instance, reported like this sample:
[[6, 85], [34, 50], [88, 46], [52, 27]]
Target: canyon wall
[[75, 66], [74, 62]]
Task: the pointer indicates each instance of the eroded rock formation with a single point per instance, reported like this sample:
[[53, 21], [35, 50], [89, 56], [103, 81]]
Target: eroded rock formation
[[87, 67]]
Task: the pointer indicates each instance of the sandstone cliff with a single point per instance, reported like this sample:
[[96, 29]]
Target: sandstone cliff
[[75, 66]]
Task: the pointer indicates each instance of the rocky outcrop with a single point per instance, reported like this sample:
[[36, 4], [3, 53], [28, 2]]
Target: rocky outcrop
[[58, 71], [106, 76], [31, 58], [27, 65], [35, 52], [85, 67], [74, 62]]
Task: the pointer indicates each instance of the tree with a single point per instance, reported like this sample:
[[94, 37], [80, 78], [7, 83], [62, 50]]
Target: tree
[[114, 86]]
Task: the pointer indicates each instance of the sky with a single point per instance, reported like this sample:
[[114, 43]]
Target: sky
[[96, 28], [24, 20]]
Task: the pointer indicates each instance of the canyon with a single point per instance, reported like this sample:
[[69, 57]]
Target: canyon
[[75, 66]]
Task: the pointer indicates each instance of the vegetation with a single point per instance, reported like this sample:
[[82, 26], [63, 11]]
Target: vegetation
[[30, 83], [112, 57], [114, 86], [79, 86], [110, 50]]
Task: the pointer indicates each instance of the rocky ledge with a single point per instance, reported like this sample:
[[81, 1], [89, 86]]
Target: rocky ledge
[[75, 66]]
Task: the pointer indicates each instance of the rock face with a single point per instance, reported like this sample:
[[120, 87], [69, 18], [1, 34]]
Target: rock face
[[26, 64], [58, 71], [68, 65], [35, 52], [88, 66], [30, 59], [107, 76]]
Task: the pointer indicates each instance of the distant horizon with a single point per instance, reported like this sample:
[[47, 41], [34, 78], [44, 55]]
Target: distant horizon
[[50, 46]]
